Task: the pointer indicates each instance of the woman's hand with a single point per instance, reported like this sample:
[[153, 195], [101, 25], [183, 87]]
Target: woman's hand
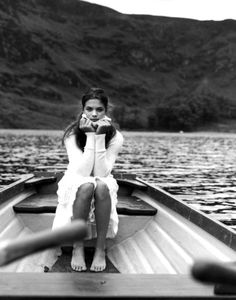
[[86, 125], [103, 126]]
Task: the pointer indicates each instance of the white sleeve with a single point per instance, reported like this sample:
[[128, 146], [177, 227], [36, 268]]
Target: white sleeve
[[105, 158], [81, 162]]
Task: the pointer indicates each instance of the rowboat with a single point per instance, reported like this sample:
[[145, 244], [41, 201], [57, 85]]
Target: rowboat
[[160, 237]]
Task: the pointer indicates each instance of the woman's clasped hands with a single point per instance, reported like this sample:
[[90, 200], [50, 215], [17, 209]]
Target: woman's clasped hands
[[99, 127]]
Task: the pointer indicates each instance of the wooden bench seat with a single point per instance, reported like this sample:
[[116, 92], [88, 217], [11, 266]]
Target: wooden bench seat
[[47, 203], [38, 181]]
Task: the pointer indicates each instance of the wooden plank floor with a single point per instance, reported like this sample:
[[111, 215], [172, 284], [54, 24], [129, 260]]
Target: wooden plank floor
[[100, 285], [63, 262]]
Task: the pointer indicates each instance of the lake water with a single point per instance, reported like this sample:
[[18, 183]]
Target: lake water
[[199, 168]]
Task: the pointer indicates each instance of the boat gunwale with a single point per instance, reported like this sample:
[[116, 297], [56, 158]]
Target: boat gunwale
[[14, 188], [214, 227]]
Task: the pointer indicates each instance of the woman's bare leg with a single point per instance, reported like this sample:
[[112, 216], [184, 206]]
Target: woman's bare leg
[[102, 215], [81, 210]]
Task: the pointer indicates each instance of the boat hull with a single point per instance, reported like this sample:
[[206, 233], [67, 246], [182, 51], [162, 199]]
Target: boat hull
[[153, 251]]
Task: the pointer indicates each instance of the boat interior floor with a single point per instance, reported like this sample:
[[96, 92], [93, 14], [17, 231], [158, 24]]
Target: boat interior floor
[[63, 264]]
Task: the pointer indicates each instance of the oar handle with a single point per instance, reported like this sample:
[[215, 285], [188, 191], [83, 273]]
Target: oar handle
[[13, 250], [214, 272]]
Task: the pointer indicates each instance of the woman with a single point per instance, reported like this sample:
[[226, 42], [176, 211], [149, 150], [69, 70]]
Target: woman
[[88, 190]]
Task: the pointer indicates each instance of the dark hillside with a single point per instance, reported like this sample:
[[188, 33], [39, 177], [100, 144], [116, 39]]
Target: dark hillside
[[161, 73]]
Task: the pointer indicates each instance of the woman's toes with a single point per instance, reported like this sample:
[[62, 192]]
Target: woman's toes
[[78, 261], [99, 261]]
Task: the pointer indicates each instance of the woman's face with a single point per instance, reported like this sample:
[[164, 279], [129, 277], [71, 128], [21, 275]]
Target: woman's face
[[94, 110]]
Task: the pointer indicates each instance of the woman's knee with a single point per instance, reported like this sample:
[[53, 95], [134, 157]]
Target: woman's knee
[[86, 190], [82, 201], [101, 191]]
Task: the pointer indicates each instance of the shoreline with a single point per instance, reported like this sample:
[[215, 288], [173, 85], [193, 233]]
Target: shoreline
[[55, 132]]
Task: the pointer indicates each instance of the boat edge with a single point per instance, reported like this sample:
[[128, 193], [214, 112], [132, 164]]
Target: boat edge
[[199, 218]]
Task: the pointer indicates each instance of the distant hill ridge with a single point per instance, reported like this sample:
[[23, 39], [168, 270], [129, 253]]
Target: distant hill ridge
[[160, 72]]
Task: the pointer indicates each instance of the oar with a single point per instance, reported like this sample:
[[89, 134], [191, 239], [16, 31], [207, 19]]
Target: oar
[[214, 272], [13, 250]]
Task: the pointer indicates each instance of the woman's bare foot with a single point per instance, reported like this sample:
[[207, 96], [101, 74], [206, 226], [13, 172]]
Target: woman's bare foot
[[99, 261], [78, 261]]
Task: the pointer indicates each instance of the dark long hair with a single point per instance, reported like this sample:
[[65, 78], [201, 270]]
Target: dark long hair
[[74, 127]]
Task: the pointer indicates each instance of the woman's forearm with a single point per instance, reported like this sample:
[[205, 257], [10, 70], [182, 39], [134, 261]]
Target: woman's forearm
[[87, 161], [101, 164], [82, 162]]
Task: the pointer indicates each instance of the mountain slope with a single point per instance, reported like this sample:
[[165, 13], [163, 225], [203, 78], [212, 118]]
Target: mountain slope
[[51, 51]]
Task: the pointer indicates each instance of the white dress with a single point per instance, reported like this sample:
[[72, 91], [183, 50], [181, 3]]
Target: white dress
[[96, 162]]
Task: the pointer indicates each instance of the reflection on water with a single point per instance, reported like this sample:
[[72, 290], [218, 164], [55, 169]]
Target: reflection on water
[[199, 168]]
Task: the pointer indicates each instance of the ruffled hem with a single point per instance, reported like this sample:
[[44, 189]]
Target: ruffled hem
[[67, 189]]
